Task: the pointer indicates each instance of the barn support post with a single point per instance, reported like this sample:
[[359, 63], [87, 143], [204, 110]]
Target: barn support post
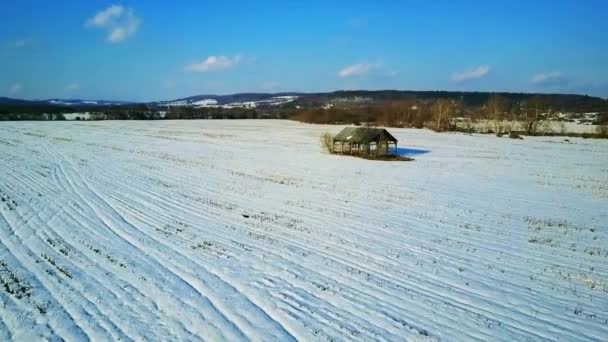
[[350, 147]]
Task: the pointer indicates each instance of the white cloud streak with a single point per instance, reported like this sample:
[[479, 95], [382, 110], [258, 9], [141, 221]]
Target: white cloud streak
[[356, 70], [119, 23], [477, 73], [214, 63], [547, 77]]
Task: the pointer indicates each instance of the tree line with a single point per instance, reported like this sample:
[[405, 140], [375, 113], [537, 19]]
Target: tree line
[[444, 114]]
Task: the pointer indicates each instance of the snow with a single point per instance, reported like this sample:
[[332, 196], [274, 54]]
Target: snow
[[273, 101], [177, 103], [60, 102], [238, 230], [205, 102], [77, 116], [543, 126]]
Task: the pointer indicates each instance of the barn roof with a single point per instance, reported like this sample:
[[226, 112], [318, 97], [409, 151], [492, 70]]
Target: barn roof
[[364, 135]]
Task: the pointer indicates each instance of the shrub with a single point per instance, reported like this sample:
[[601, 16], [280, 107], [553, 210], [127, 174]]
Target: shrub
[[514, 135], [327, 142], [602, 131]]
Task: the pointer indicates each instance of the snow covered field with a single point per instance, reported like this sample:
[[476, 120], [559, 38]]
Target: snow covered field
[[232, 230]]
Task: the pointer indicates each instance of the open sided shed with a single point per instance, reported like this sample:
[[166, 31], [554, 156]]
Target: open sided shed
[[364, 140]]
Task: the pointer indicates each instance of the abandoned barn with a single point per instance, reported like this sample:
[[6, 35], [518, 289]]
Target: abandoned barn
[[364, 140]]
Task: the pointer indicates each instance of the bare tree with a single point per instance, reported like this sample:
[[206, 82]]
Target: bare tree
[[533, 114], [423, 114], [602, 131], [468, 125], [562, 128], [497, 107], [443, 110], [327, 142], [389, 114]]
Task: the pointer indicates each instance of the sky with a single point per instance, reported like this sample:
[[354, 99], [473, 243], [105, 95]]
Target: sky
[[157, 50]]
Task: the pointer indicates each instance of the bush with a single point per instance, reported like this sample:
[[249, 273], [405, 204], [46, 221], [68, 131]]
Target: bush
[[327, 142], [514, 135], [602, 131]]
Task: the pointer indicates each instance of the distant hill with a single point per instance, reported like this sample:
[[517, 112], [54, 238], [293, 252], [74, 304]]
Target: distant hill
[[60, 102], [558, 102], [9, 101]]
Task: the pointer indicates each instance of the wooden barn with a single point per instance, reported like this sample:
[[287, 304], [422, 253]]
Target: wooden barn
[[364, 140]]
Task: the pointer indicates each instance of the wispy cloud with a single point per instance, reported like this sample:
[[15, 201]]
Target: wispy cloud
[[120, 23], [72, 87], [477, 73], [214, 63], [14, 89], [357, 69], [547, 78]]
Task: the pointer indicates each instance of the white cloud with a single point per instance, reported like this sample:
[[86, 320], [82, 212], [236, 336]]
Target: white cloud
[[72, 87], [214, 63], [479, 72], [105, 17], [14, 89], [119, 23], [547, 77], [356, 69]]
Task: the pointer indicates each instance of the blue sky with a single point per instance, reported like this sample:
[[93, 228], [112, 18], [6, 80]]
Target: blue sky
[[150, 50]]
